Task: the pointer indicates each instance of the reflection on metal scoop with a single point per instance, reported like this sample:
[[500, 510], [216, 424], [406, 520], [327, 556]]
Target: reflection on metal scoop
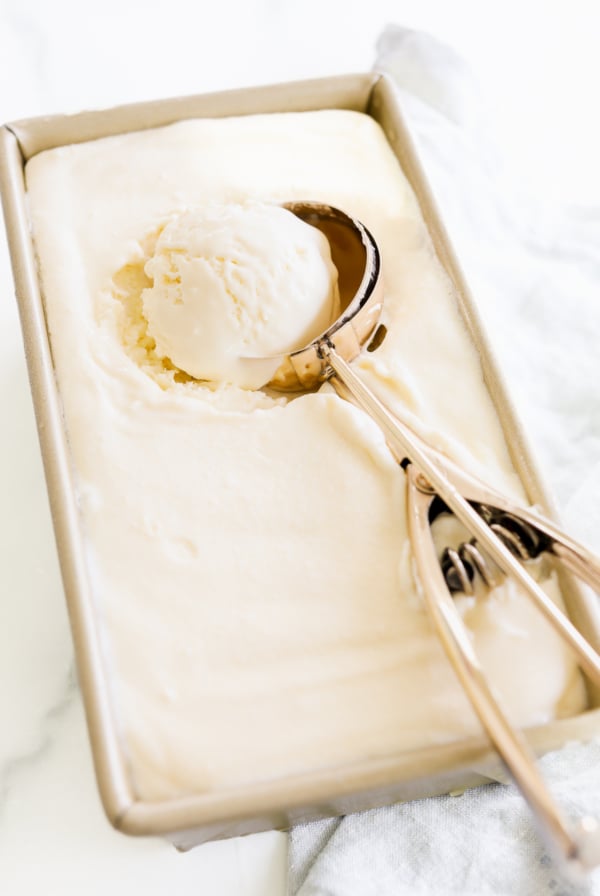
[[355, 254], [433, 476]]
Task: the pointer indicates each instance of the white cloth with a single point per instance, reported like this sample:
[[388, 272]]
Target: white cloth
[[535, 275], [482, 842]]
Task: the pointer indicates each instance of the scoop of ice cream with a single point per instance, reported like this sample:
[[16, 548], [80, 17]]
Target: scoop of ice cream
[[235, 281]]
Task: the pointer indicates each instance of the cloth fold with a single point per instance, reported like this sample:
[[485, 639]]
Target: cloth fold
[[535, 272]]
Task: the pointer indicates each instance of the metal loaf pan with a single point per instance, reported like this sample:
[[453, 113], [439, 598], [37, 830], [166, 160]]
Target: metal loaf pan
[[273, 804]]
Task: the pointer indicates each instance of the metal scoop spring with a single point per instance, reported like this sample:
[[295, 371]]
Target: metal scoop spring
[[460, 565]]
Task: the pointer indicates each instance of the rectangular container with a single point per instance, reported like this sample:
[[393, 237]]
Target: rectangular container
[[282, 803]]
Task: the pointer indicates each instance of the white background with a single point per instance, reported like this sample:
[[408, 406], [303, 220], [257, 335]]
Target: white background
[[539, 69]]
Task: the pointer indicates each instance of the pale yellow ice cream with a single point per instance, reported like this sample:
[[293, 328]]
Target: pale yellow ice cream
[[232, 281], [249, 555]]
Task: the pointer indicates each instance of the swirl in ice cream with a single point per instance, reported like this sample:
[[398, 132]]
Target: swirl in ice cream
[[238, 280]]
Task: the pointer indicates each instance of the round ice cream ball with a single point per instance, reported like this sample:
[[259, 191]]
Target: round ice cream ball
[[235, 281]]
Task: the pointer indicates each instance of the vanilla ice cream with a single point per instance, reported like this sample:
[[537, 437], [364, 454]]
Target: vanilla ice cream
[[248, 554], [231, 281]]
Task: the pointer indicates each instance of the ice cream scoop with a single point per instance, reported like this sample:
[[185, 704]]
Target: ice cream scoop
[[485, 513], [231, 280]]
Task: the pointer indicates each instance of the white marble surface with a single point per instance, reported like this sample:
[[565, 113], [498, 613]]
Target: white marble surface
[[537, 63]]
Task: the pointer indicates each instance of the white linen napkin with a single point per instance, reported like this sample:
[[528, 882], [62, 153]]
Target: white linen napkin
[[535, 275]]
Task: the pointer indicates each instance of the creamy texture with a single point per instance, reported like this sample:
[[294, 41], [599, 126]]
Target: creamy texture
[[233, 281], [249, 556]]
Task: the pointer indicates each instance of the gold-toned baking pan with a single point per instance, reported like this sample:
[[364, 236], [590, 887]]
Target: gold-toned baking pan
[[280, 803]]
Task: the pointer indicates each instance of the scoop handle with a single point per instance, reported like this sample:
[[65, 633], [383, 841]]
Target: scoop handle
[[580, 847], [403, 444]]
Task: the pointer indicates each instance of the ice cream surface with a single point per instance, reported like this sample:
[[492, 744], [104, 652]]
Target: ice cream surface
[[231, 281], [249, 555]]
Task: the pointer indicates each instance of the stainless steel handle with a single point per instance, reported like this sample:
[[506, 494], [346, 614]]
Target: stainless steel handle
[[579, 847], [404, 444]]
